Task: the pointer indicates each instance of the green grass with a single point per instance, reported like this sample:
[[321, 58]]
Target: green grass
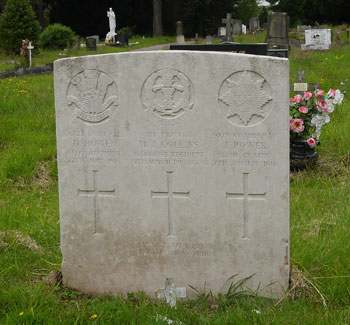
[[29, 223], [45, 57]]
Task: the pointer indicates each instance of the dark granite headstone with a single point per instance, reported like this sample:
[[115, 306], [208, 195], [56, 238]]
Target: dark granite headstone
[[280, 53], [257, 49], [91, 44], [122, 39]]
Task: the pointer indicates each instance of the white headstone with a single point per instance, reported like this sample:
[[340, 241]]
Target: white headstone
[[173, 165], [244, 29], [221, 31], [209, 39], [317, 39]]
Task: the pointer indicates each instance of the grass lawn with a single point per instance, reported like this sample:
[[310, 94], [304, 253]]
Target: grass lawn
[[45, 57], [29, 222]]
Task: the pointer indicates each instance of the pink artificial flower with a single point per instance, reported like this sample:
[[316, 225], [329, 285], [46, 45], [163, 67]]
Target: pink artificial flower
[[291, 100], [307, 95], [298, 98], [298, 125], [311, 142], [303, 109], [291, 123], [331, 93], [322, 105], [319, 92]]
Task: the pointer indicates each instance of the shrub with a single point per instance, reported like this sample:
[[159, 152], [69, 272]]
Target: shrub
[[56, 36], [17, 22], [127, 31]]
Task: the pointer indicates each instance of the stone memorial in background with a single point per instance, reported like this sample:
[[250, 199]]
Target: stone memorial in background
[[75, 44], [254, 24], [317, 39], [180, 38], [221, 31], [91, 44], [303, 28], [209, 39], [277, 29], [228, 30], [236, 27], [244, 29], [175, 176], [110, 37]]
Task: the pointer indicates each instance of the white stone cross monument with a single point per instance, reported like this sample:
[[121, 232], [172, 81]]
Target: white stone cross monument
[[30, 48], [176, 175]]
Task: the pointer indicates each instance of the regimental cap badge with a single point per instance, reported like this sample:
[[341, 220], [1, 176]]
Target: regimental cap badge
[[167, 96], [93, 95], [245, 98]]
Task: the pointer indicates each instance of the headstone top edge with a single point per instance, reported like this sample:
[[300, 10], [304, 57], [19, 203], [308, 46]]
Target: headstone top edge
[[63, 61]]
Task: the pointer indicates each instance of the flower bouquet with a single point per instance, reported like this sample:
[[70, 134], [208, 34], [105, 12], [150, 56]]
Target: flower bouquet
[[310, 112]]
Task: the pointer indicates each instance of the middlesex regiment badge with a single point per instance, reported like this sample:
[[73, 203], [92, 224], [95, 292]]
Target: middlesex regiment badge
[[166, 95]]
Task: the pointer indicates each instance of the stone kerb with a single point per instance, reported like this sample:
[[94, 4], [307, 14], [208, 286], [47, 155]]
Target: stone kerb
[[173, 165]]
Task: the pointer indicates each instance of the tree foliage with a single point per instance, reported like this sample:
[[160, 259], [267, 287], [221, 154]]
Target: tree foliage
[[17, 22], [316, 11], [89, 17], [245, 9]]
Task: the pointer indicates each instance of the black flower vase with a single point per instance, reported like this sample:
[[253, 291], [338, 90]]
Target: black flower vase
[[301, 155]]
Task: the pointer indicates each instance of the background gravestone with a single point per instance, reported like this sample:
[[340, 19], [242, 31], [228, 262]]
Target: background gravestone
[[179, 171], [277, 29], [75, 44], [222, 32], [180, 38], [91, 44], [122, 39], [254, 24], [317, 39], [303, 28], [228, 30], [236, 27], [95, 37], [209, 39]]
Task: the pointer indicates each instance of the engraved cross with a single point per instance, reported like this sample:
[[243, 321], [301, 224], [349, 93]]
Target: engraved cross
[[170, 195], [246, 197], [96, 193]]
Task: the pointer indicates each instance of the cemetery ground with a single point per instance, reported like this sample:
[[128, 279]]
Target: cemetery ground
[[45, 56], [30, 289]]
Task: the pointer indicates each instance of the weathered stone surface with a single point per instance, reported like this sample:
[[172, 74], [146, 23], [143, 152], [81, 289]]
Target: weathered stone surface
[[179, 28], [173, 165], [277, 29], [317, 39], [180, 39], [254, 24], [236, 27]]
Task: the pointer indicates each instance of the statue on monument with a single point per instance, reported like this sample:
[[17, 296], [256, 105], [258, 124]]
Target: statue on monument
[[110, 37]]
